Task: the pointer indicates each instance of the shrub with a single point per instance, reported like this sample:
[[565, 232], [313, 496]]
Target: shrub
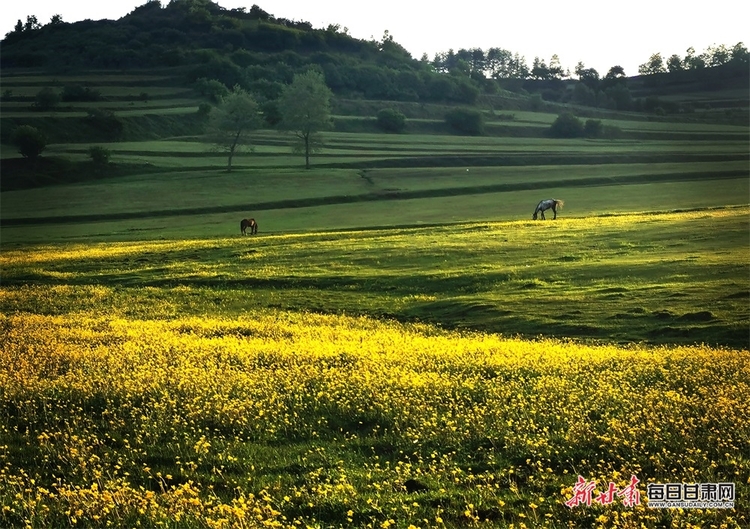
[[536, 102], [566, 126], [593, 128], [80, 93], [612, 132], [99, 155], [465, 120], [391, 120]]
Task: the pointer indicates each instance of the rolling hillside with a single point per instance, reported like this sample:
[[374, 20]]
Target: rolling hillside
[[400, 346]]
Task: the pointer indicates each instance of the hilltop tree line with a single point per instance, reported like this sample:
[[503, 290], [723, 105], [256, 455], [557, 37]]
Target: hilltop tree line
[[712, 57], [261, 53]]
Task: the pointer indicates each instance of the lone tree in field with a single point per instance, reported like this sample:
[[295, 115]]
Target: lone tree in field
[[236, 115], [30, 141], [305, 107]]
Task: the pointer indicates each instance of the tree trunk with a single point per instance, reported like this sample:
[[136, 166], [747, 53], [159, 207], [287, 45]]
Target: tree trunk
[[232, 148], [307, 151]]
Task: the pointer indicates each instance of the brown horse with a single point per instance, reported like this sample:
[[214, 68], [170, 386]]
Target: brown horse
[[249, 223]]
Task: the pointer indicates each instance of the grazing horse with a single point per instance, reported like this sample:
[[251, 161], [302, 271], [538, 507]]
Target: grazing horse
[[544, 205], [249, 223]]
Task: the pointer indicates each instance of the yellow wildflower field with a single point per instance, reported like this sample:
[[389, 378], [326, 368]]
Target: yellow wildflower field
[[294, 419]]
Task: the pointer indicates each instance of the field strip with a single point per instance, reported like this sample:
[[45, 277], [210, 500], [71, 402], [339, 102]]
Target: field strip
[[376, 196]]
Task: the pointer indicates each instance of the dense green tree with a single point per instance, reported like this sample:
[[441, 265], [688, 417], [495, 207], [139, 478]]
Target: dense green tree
[[615, 76], [465, 121], [46, 99], [464, 90], [237, 114], [499, 63], [32, 23], [409, 86], [29, 140], [219, 68], [440, 88], [305, 107], [478, 61], [718, 55], [740, 53], [539, 69], [555, 68], [589, 77], [583, 95], [654, 65], [620, 97], [211, 89], [674, 64], [693, 61]]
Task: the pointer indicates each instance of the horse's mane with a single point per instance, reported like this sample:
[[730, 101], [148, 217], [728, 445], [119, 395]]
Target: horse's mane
[[559, 203]]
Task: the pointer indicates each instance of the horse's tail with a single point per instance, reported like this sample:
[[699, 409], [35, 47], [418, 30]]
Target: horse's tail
[[559, 203]]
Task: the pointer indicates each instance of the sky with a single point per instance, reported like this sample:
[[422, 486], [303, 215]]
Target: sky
[[599, 34]]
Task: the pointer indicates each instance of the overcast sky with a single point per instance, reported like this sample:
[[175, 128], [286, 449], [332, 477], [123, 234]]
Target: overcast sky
[[598, 33]]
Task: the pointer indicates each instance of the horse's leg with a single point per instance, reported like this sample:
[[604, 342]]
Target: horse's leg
[[554, 210]]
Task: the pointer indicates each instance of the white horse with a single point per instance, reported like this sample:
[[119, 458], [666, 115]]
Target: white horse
[[544, 205]]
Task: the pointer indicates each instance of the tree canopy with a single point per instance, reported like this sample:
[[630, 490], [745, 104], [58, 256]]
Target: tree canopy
[[305, 107], [29, 140], [236, 115]]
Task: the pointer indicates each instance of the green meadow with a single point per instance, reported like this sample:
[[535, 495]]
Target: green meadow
[[629, 277], [459, 205]]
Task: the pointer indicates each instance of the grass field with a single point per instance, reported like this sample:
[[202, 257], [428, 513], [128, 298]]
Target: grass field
[[660, 278], [400, 346]]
